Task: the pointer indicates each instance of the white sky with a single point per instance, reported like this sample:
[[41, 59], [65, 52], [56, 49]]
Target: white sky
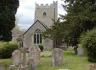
[[25, 12]]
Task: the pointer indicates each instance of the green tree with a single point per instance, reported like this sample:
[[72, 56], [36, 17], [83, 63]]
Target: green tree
[[8, 9], [88, 42], [80, 17], [55, 32]]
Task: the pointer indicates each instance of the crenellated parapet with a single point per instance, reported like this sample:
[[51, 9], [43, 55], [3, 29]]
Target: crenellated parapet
[[46, 5], [46, 12]]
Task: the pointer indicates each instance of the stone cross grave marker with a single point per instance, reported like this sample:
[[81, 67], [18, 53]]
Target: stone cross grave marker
[[80, 51], [34, 53], [16, 57], [57, 57]]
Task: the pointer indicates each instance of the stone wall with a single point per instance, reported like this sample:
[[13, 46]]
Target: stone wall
[[29, 37], [16, 36]]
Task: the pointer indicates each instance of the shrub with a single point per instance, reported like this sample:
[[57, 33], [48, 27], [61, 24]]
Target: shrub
[[41, 47], [6, 49], [88, 42]]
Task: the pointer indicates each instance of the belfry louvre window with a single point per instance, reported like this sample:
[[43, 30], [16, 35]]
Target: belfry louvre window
[[44, 14], [37, 37]]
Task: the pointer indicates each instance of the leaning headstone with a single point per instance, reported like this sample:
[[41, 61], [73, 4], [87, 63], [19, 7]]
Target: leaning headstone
[[80, 51], [57, 57], [34, 53], [93, 67], [16, 57]]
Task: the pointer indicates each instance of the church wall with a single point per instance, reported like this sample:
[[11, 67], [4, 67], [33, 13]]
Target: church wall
[[15, 36], [48, 44], [29, 37]]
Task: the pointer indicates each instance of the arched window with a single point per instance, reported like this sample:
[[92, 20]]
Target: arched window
[[44, 14], [37, 37], [19, 40]]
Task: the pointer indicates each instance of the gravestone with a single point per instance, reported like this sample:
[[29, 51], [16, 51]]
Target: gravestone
[[31, 64], [16, 57], [93, 67], [34, 53], [70, 47], [80, 51], [57, 57]]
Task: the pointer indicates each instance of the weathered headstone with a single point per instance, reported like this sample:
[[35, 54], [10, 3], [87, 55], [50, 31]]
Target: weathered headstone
[[57, 57], [34, 53], [16, 56], [31, 64], [34, 66], [93, 67], [80, 51]]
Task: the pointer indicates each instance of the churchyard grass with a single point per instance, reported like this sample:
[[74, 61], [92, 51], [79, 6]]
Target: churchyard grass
[[70, 61], [5, 62]]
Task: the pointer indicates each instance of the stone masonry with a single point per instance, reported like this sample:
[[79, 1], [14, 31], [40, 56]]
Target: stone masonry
[[57, 57], [16, 57], [34, 53]]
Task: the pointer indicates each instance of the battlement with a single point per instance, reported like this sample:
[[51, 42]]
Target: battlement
[[47, 5]]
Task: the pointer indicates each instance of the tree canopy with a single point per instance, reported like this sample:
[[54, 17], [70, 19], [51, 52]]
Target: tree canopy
[[8, 9], [55, 32], [80, 17]]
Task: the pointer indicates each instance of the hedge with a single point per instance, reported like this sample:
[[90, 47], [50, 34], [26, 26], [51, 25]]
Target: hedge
[[88, 42], [6, 49]]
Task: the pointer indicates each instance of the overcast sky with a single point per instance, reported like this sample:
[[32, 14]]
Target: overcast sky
[[26, 11]]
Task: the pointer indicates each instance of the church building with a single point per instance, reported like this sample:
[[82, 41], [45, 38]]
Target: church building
[[43, 20]]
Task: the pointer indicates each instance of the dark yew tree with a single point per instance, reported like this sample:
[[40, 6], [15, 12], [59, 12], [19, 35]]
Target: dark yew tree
[[8, 9], [80, 17], [56, 32]]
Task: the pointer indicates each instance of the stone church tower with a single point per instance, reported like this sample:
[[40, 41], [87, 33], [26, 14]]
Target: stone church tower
[[45, 13]]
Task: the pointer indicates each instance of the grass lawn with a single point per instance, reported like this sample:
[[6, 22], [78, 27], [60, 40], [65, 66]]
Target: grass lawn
[[70, 61]]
